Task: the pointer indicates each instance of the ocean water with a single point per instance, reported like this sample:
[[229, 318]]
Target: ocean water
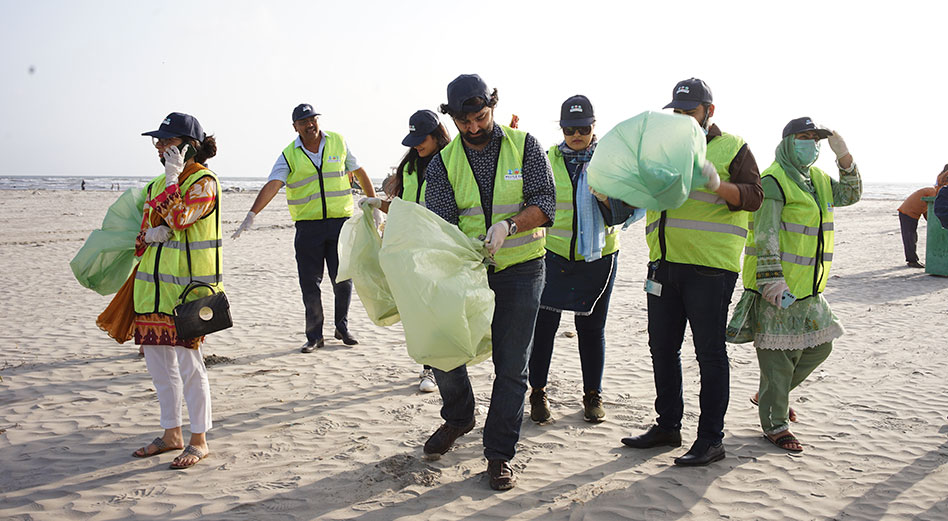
[[893, 191]]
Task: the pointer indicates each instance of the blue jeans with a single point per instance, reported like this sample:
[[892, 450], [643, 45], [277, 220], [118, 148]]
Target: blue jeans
[[700, 296], [315, 245], [591, 333], [516, 300]]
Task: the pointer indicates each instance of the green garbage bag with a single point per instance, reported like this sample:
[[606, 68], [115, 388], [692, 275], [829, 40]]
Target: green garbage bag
[[439, 280], [650, 161], [107, 257], [358, 247]]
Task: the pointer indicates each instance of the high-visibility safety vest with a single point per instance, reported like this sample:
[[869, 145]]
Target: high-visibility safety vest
[[316, 192], [561, 239], [193, 253], [507, 198], [411, 191], [806, 234], [703, 231]]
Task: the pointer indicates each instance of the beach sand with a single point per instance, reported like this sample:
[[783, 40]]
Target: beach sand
[[338, 434]]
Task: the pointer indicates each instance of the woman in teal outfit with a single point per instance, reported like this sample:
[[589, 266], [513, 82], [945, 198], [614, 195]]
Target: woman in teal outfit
[[786, 265]]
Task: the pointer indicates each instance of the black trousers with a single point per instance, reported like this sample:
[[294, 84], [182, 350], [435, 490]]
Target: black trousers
[[316, 243]]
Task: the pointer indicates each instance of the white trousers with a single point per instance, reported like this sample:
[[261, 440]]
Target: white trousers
[[180, 372]]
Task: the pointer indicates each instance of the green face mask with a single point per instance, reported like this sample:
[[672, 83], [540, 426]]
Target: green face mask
[[806, 151]]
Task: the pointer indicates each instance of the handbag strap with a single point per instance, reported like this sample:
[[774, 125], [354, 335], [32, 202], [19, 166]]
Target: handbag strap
[[193, 285]]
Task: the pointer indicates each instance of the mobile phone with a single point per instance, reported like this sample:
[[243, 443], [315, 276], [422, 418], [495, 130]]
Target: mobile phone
[[786, 299], [190, 153]]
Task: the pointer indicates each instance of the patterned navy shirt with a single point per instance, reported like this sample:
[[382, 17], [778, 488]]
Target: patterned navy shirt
[[538, 187]]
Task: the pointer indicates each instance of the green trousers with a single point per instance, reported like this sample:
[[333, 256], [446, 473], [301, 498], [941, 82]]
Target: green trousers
[[780, 372]]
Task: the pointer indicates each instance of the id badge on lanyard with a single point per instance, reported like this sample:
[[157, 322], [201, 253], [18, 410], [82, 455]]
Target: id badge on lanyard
[[652, 285]]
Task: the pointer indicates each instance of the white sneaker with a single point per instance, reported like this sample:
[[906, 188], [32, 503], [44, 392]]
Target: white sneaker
[[427, 384]]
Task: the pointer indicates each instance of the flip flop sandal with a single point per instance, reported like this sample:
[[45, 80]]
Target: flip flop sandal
[[790, 409], [784, 441], [159, 444], [190, 450]]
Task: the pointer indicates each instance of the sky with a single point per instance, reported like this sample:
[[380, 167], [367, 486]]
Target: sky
[[81, 80]]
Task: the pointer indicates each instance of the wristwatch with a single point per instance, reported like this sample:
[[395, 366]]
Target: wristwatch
[[513, 226]]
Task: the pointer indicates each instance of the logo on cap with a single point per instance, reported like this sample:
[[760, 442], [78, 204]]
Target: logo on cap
[[411, 128], [167, 121], [683, 89], [808, 122], [576, 108]]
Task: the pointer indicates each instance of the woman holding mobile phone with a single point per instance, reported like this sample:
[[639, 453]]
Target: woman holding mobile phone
[[180, 242], [787, 260]]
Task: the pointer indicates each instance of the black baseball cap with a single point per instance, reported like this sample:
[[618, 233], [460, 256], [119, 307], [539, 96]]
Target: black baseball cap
[[577, 111], [802, 125], [303, 111], [178, 124], [690, 93], [420, 124], [465, 87]]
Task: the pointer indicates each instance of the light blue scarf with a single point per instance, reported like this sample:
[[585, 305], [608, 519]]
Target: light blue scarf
[[590, 224]]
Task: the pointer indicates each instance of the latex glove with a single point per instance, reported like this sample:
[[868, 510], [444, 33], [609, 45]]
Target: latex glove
[[714, 180], [374, 202], [598, 195], [174, 164], [377, 215], [496, 235], [157, 234], [244, 226], [773, 292], [837, 145]]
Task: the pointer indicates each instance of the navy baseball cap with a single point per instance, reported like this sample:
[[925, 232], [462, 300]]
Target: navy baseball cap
[[303, 111], [802, 125], [465, 87], [178, 124], [577, 111], [690, 93], [420, 124]]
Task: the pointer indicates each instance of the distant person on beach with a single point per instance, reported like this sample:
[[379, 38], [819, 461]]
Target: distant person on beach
[[181, 208], [426, 137], [786, 266], [82, 185], [581, 262], [909, 213], [313, 167], [694, 258], [495, 180]]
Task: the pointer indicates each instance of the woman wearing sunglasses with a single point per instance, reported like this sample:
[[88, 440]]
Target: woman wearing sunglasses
[[180, 242], [582, 250]]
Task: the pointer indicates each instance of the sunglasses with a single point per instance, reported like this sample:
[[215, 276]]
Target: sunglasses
[[569, 131]]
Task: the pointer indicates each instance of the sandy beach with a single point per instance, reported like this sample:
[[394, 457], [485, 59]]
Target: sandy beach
[[338, 434]]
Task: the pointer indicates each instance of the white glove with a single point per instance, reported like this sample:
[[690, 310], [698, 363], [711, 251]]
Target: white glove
[[374, 202], [244, 226], [496, 235], [714, 180], [157, 234], [837, 144], [377, 215], [174, 164], [773, 292], [598, 195]]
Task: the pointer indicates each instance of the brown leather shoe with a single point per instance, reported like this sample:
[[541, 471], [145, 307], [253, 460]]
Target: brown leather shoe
[[443, 439], [501, 475]]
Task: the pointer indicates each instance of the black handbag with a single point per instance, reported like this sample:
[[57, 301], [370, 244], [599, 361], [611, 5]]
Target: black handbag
[[207, 314], [202, 316]]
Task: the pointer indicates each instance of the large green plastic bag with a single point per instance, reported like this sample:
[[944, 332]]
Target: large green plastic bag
[[439, 280], [358, 247], [107, 257], [650, 161]]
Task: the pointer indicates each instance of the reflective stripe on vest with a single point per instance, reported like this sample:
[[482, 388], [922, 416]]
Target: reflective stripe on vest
[[703, 230], [318, 193], [410, 189], [561, 237], [806, 235], [507, 199], [163, 272]]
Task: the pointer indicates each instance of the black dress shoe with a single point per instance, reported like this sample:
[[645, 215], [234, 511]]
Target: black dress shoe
[[915, 264], [309, 346], [346, 338], [655, 436], [701, 453], [501, 475]]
